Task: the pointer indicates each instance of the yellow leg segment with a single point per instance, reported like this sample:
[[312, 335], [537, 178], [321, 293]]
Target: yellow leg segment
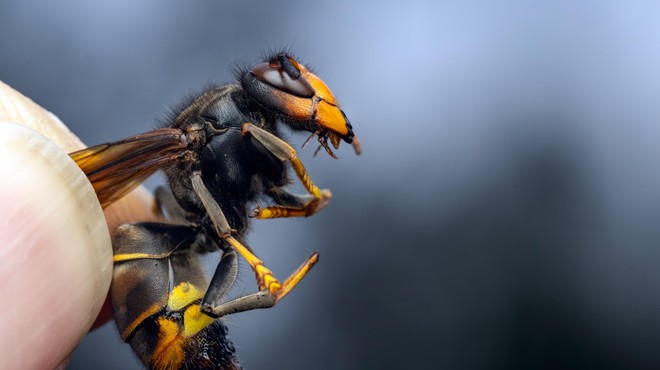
[[297, 276], [265, 278], [304, 178]]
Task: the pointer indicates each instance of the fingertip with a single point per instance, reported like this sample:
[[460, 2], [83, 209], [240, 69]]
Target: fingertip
[[55, 251]]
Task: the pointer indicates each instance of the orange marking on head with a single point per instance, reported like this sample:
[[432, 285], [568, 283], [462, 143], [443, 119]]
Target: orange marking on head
[[323, 107], [322, 90], [329, 116]]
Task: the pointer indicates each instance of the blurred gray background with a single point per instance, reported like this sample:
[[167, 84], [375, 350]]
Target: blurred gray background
[[504, 214]]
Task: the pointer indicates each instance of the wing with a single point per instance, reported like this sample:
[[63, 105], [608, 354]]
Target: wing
[[116, 168]]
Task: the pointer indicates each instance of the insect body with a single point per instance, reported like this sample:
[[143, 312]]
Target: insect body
[[220, 152]]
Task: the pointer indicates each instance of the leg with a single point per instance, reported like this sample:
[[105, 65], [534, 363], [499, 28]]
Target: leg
[[261, 299], [223, 279], [265, 278], [280, 149], [287, 200]]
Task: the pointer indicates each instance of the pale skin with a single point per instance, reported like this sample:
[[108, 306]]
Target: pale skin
[[55, 250]]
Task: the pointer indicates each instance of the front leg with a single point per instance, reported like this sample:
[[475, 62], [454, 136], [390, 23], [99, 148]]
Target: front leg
[[284, 152], [288, 200]]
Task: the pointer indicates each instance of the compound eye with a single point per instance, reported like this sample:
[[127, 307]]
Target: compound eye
[[283, 73]]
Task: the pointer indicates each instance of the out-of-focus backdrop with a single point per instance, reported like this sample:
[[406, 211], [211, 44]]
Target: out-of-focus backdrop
[[505, 213]]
